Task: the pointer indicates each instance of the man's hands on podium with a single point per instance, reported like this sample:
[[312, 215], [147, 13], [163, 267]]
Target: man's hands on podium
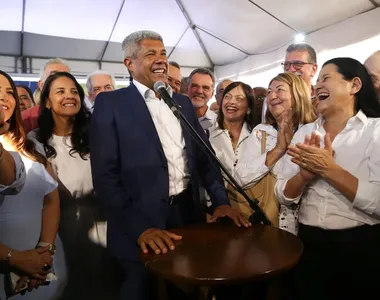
[[158, 240], [161, 240], [227, 211]]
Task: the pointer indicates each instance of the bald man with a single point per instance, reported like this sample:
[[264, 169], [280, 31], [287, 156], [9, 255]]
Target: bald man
[[372, 64], [220, 90]]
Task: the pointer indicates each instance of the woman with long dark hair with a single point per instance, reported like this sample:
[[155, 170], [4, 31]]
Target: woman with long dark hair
[[28, 220], [63, 128], [333, 170]]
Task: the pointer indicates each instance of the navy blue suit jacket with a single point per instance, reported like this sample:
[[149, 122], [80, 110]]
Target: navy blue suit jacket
[[129, 167]]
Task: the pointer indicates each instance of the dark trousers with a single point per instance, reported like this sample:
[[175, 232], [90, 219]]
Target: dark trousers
[[139, 283], [338, 264]]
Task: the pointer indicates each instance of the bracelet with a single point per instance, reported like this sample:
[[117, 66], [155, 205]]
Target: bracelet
[[52, 248]]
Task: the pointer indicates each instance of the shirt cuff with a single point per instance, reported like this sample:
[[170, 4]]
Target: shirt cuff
[[367, 198], [20, 177], [279, 191]]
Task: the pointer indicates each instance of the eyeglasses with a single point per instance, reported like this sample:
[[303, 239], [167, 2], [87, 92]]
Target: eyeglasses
[[297, 65]]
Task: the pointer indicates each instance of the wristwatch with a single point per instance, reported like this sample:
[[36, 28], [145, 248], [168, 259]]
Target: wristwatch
[[52, 248]]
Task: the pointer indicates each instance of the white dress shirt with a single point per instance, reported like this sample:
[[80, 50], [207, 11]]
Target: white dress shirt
[[221, 142], [357, 151], [89, 104], [208, 119], [170, 133], [251, 168]]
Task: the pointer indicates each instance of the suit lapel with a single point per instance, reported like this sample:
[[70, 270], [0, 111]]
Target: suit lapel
[[144, 119], [186, 135]]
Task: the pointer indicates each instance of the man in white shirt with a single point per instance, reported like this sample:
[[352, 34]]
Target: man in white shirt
[[200, 91], [146, 168], [98, 81]]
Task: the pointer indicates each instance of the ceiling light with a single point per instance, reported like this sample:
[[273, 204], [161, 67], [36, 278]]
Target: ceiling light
[[299, 38]]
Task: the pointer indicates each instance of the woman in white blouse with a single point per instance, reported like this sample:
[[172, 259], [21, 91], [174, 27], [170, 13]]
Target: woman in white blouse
[[333, 170], [233, 125], [63, 130], [289, 107]]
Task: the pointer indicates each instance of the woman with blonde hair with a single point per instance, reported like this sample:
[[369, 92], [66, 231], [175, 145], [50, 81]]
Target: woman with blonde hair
[[289, 108]]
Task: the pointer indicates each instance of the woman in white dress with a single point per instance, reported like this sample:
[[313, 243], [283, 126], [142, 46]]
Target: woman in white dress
[[333, 171], [29, 219], [289, 107], [63, 131]]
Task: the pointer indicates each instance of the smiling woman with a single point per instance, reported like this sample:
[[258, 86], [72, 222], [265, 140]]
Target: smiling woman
[[63, 130], [30, 218], [332, 170], [289, 108]]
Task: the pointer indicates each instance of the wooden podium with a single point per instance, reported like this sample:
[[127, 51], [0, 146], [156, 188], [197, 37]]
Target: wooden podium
[[222, 253]]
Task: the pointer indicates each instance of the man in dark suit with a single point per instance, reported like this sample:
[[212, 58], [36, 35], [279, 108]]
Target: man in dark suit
[[146, 168]]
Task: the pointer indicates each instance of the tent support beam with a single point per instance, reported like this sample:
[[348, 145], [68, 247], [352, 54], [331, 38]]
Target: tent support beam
[[24, 67], [223, 41], [374, 3], [193, 28], [113, 28], [175, 46], [273, 16]]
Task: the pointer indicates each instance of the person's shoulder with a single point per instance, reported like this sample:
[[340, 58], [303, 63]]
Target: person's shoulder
[[31, 112], [263, 127], [115, 94], [181, 98]]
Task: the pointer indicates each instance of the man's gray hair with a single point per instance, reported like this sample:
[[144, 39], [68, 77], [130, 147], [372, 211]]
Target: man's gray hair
[[99, 72], [204, 71], [131, 44], [53, 61], [304, 47]]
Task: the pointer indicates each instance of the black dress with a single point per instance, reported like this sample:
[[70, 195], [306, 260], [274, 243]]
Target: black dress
[[93, 273]]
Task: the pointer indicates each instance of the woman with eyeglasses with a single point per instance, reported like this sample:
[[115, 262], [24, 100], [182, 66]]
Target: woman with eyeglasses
[[289, 108], [332, 169]]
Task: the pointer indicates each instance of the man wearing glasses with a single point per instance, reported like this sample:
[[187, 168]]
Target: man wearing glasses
[[301, 59]]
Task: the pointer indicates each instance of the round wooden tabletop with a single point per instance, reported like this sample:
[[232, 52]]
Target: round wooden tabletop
[[222, 253]]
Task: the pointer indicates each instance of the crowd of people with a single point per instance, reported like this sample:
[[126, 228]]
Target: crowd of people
[[89, 182]]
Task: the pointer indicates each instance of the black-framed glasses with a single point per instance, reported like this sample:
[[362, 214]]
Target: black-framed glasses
[[297, 65]]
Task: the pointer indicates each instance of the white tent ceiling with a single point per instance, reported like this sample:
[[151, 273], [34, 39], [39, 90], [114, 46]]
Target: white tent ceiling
[[218, 34]]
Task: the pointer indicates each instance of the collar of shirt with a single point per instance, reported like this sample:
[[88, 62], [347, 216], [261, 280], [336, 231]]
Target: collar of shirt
[[147, 93], [209, 115], [360, 119], [216, 131]]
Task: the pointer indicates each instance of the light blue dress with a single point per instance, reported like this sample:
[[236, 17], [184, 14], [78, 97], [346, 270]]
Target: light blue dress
[[20, 225]]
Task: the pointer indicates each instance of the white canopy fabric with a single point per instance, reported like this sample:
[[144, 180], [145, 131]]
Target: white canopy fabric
[[234, 37]]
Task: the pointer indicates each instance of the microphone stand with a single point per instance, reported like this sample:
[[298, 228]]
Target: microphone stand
[[258, 217]]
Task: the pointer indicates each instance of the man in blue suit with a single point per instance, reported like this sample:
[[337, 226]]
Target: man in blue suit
[[146, 168]]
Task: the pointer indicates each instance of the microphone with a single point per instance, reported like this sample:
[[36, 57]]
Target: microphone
[[160, 87], [258, 216]]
